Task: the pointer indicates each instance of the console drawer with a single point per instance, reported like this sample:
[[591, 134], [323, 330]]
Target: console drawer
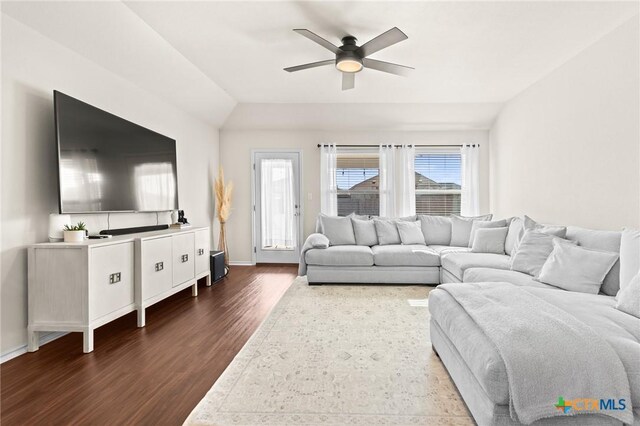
[[183, 258], [110, 279]]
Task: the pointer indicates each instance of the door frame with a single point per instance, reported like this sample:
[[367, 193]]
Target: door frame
[[254, 236]]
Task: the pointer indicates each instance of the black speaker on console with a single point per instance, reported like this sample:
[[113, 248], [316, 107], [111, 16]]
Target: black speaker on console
[[217, 266]]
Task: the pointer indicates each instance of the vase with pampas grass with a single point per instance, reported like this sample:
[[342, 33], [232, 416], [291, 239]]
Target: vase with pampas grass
[[223, 191]]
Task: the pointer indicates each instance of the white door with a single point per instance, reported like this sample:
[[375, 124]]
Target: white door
[[277, 212]]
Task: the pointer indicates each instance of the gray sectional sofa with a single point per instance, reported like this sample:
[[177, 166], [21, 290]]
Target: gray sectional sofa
[[457, 250]]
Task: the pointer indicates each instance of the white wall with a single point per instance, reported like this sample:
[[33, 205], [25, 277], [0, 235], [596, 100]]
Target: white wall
[[235, 157], [567, 149], [32, 67]]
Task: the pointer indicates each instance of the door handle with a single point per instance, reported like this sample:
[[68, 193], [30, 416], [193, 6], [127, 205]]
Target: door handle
[[114, 278], [184, 258], [159, 266]]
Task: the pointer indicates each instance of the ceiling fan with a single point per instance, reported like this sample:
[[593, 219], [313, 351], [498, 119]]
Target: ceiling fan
[[351, 58]]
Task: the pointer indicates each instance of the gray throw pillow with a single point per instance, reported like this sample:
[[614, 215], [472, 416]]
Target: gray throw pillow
[[387, 232], [628, 298], [410, 232], [629, 255], [436, 229], [576, 268], [555, 230], [365, 232], [461, 229], [338, 229], [482, 224], [489, 240], [513, 236], [533, 251]]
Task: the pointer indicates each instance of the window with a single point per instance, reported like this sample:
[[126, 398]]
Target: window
[[357, 180], [438, 182]]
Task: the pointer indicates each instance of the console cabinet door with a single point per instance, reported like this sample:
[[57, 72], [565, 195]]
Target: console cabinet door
[[183, 258], [203, 247], [111, 279], [157, 267]]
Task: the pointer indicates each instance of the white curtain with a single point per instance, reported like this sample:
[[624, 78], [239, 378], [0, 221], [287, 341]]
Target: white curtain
[[278, 224], [328, 185], [387, 181], [155, 186], [470, 202], [405, 182]]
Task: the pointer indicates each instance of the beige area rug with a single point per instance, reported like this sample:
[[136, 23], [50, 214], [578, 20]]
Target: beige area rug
[[337, 355]]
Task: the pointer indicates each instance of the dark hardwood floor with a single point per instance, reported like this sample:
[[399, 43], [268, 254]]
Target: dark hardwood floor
[[153, 375]]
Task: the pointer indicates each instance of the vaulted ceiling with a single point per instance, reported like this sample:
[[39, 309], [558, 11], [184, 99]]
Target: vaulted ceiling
[[206, 56]]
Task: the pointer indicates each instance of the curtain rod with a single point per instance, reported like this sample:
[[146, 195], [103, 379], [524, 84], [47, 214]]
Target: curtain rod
[[398, 146]]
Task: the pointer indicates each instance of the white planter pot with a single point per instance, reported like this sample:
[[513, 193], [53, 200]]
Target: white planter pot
[[74, 236]]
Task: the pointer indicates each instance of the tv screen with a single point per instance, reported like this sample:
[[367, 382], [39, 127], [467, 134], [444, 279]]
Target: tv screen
[[109, 164]]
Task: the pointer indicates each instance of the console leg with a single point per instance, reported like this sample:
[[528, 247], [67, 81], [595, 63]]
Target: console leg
[[87, 341], [194, 289], [33, 340], [209, 280], [142, 321]]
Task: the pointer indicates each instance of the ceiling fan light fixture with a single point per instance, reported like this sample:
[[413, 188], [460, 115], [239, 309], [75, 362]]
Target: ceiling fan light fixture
[[349, 65]]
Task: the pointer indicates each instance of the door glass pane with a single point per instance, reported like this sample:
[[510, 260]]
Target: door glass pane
[[278, 212]]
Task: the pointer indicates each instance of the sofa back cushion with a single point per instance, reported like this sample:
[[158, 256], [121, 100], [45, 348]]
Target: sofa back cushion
[[365, 232], [516, 226], [556, 230], [410, 232], [338, 230], [629, 255], [461, 229], [604, 241], [436, 229], [576, 268], [628, 300], [387, 232]]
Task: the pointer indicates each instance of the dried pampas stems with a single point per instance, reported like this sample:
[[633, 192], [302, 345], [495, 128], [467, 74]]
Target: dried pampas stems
[[223, 193]]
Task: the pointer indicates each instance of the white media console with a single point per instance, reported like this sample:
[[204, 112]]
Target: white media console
[[81, 286]]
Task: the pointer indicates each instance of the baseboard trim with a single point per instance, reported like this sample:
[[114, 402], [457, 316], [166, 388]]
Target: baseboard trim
[[44, 339], [242, 263]]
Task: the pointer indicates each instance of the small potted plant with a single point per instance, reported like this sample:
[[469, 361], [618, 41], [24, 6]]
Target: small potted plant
[[75, 233]]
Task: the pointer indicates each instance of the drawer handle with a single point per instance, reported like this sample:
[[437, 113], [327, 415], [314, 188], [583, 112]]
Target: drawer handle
[[200, 252], [115, 278], [159, 266], [184, 258]]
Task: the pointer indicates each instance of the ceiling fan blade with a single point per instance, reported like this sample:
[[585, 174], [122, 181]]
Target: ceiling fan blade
[[348, 80], [386, 39], [387, 67], [311, 65], [322, 42]]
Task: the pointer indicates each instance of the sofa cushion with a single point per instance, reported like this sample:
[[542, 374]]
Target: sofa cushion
[[436, 229], [575, 268], [484, 224], [338, 230], [410, 232], [629, 256], [628, 298], [387, 231], [533, 250], [340, 256], [556, 230], [513, 236], [489, 240], [491, 275], [365, 232], [449, 249], [461, 229], [405, 255], [604, 241], [457, 263]]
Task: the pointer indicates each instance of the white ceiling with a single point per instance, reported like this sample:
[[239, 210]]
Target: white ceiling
[[462, 51], [204, 56]]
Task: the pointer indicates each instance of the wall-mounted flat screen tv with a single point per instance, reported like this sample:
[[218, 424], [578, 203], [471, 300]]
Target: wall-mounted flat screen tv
[[109, 164]]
